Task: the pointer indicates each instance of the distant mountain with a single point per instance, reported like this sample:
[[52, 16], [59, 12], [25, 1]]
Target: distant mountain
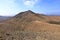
[[31, 26], [4, 18], [54, 14]]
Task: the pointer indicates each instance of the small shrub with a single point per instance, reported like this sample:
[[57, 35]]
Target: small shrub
[[54, 22]]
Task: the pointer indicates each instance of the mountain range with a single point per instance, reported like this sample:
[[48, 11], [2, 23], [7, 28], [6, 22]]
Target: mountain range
[[2, 18], [30, 26]]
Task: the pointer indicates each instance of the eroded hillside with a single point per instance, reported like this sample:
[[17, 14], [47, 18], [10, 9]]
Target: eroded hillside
[[30, 26]]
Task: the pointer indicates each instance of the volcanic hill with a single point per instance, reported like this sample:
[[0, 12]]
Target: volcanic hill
[[30, 26]]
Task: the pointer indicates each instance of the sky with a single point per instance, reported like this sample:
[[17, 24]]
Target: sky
[[13, 7]]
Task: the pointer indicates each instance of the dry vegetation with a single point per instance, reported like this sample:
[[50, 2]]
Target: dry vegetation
[[30, 26]]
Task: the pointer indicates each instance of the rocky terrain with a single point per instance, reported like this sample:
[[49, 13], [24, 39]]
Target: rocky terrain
[[30, 26]]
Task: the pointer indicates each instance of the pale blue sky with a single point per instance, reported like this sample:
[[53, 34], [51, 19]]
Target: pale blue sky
[[12, 7]]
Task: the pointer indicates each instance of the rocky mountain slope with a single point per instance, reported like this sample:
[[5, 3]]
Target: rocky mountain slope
[[30, 26]]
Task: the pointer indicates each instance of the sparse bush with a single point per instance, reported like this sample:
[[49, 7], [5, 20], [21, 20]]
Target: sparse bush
[[54, 22]]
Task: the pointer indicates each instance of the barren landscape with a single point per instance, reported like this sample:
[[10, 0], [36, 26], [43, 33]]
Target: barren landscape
[[30, 26]]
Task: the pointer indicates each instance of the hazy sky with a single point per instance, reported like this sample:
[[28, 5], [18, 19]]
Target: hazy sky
[[12, 7]]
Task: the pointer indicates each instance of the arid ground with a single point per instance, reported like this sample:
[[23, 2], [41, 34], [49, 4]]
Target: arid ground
[[30, 26]]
